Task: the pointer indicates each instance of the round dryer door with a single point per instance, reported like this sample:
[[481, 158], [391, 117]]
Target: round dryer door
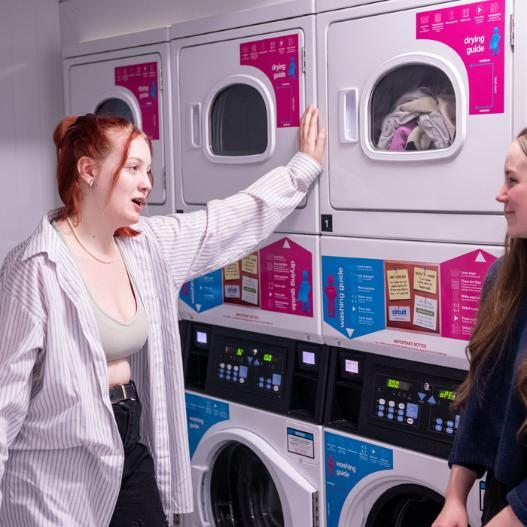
[[242, 491], [116, 107], [405, 506]]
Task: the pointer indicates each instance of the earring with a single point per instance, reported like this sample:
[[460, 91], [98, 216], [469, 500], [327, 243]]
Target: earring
[[90, 184]]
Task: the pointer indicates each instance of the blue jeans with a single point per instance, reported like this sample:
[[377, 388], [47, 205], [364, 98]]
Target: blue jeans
[[139, 502]]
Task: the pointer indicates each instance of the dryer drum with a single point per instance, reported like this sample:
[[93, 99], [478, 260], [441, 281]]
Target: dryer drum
[[242, 492], [406, 506]]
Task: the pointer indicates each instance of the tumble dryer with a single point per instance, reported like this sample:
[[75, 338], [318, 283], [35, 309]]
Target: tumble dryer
[[418, 132], [274, 290], [388, 430], [128, 76], [413, 300], [254, 411], [240, 89]]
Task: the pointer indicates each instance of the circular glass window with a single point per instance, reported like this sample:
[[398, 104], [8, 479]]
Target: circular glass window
[[238, 122], [242, 491], [116, 107], [406, 506], [413, 108]]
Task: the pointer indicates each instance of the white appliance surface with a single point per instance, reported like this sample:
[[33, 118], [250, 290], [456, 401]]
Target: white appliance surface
[[129, 76], [290, 450]]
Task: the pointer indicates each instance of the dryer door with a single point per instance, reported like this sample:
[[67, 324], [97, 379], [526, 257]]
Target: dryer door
[[423, 124], [239, 479], [127, 87]]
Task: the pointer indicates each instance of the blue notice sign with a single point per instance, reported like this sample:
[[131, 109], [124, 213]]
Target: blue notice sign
[[348, 461], [353, 293], [203, 293], [202, 414]]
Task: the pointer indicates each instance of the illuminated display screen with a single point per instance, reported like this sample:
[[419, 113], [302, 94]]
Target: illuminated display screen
[[308, 357], [351, 366], [201, 337], [267, 357], [397, 384], [447, 394], [240, 352]]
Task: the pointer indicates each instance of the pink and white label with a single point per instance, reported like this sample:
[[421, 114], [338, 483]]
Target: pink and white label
[[461, 282], [477, 33], [279, 59], [287, 278], [141, 80]]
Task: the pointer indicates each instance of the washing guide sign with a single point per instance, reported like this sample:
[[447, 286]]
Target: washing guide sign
[[404, 304], [476, 32]]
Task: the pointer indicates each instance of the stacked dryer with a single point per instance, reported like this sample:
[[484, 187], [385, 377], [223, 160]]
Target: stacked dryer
[[128, 76], [420, 100], [255, 366]]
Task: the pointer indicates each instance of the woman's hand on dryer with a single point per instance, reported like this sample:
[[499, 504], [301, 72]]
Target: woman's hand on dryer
[[310, 140], [453, 514]]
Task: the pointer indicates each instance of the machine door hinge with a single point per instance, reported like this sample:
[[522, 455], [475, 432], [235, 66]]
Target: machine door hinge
[[303, 60], [512, 31], [314, 498], [160, 78]]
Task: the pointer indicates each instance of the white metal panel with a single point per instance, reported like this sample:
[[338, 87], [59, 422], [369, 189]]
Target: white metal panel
[[206, 64], [90, 79]]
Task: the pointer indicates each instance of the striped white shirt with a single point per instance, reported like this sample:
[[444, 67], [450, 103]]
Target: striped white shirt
[[61, 455]]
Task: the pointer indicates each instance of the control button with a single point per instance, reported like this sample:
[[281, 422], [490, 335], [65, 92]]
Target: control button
[[221, 375], [380, 414], [382, 401], [431, 400], [421, 395], [229, 366], [222, 365], [439, 421], [243, 371], [449, 430], [256, 362], [242, 380], [438, 428], [401, 406], [277, 379], [410, 421], [228, 377], [457, 420], [390, 416], [381, 407], [276, 388], [400, 412], [391, 404], [249, 360], [450, 424], [235, 368], [412, 410], [268, 386], [261, 379], [260, 385]]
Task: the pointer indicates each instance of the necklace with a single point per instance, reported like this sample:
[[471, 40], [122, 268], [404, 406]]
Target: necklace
[[87, 250]]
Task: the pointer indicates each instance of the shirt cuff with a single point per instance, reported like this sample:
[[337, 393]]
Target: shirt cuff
[[306, 170]]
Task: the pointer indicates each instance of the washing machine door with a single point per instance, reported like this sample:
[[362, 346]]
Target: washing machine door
[[239, 481]]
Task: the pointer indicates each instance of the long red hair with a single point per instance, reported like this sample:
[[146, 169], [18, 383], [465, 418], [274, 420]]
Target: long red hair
[[88, 135]]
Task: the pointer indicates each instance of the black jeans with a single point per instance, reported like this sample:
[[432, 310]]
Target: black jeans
[[495, 498], [139, 503]]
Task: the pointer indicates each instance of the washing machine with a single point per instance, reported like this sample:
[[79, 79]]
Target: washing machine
[[412, 300], [275, 290], [254, 410], [240, 89], [389, 429], [421, 100], [128, 76]]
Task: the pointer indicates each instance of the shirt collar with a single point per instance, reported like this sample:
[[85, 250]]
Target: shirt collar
[[45, 239]]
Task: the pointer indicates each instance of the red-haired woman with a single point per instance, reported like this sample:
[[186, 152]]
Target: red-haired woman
[[89, 302], [492, 434]]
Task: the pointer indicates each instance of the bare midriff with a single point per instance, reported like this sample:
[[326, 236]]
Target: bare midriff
[[119, 372]]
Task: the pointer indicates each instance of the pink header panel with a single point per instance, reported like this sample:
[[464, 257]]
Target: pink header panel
[[476, 32], [141, 80], [279, 59]]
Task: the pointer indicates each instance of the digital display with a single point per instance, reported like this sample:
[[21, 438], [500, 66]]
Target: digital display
[[308, 357], [267, 357], [240, 352], [397, 384], [201, 337], [447, 394], [351, 366]]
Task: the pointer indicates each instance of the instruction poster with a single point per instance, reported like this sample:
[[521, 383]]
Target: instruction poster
[[476, 32], [412, 296], [241, 282], [141, 80], [279, 59]]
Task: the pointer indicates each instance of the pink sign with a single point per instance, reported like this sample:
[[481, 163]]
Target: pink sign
[[461, 282], [278, 58], [141, 80], [476, 32], [287, 278]]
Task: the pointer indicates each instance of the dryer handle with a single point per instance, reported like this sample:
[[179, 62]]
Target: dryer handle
[[348, 115], [194, 116], [200, 472]]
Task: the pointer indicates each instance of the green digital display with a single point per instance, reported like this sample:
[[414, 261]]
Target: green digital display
[[240, 352], [392, 383], [267, 357], [447, 394]]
